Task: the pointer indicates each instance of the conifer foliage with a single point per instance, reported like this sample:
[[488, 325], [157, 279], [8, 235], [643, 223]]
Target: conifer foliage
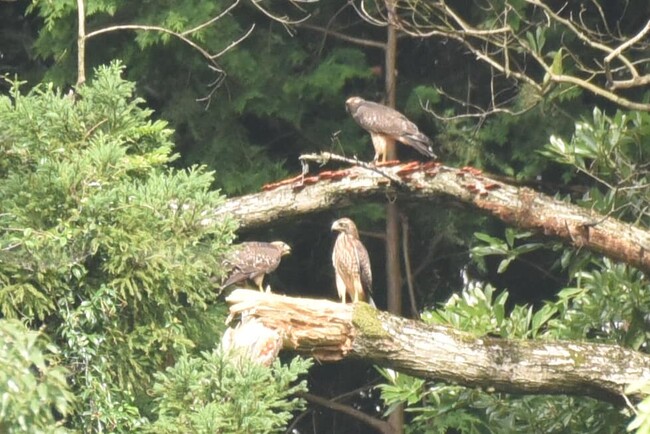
[[111, 254]]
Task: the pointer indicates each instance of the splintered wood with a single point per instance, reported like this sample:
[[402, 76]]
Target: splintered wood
[[323, 326], [252, 340]]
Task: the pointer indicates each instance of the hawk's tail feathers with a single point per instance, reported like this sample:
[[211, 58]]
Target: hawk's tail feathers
[[371, 302], [421, 143], [235, 278]]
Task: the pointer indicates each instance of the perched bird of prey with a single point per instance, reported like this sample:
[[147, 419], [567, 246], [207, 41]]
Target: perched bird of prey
[[252, 260], [385, 125], [351, 263]]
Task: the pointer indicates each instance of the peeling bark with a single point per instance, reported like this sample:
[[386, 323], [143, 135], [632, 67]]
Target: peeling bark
[[330, 331], [518, 206]]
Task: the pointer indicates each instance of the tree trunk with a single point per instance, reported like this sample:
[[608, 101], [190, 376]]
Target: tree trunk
[[330, 331], [393, 271], [518, 206]]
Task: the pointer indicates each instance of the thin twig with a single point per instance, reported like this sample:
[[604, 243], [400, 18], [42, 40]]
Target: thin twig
[[180, 36], [211, 20], [378, 424], [624, 46], [428, 258], [342, 36], [234, 43], [325, 157], [478, 113], [366, 16], [337, 398], [407, 265], [284, 20]]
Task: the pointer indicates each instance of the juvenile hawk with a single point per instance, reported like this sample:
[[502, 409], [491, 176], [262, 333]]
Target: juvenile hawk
[[252, 260], [351, 263], [385, 125]]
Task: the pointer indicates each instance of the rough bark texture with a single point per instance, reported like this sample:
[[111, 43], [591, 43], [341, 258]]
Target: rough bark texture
[[393, 271], [331, 331], [519, 206]]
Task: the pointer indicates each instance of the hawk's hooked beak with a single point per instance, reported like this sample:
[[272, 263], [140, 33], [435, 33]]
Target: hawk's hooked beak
[[336, 226], [349, 102], [285, 248]]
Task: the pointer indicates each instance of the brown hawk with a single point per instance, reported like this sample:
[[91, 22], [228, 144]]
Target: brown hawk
[[387, 125], [351, 263], [252, 260]]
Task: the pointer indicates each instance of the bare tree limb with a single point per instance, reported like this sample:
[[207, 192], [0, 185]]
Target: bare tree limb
[[211, 20], [379, 425], [518, 206], [337, 398], [342, 36], [207, 55], [508, 48], [331, 331], [415, 313], [617, 53], [285, 20], [81, 43], [184, 36]]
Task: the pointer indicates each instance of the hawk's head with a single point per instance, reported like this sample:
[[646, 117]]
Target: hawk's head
[[353, 103], [283, 247], [346, 226]]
